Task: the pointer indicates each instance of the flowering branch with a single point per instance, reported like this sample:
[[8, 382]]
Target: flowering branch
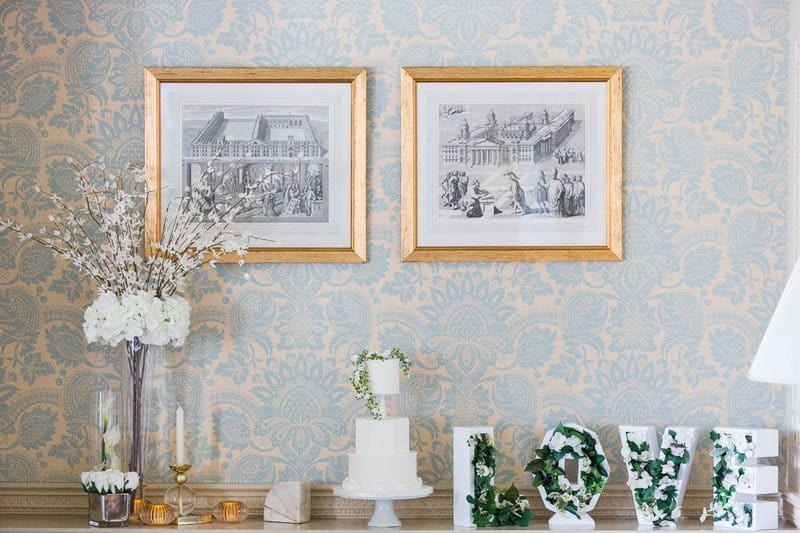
[[104, 235]]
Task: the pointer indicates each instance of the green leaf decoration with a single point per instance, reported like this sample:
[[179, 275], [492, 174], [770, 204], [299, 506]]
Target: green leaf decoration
[[728, 453], [359, 379], [658, 500], [490, 507], [546, 472]]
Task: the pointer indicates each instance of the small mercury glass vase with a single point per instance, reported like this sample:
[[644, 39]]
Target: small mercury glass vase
[[109, 510]]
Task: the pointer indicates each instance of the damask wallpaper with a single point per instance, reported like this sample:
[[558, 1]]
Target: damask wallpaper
[[664, 337]]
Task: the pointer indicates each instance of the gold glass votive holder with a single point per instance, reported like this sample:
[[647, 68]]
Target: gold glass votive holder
[[137, 508], [157, 514], [230, 511]]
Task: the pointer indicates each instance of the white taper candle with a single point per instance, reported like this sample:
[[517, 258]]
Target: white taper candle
[[180, 454]]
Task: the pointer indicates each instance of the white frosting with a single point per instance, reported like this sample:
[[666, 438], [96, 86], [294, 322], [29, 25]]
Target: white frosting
[[384, 376], [379, 467], [382, 461], [382, 485], [387, 436]]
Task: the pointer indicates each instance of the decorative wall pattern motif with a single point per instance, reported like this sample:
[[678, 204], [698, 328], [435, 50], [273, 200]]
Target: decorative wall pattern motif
[[664, 337]]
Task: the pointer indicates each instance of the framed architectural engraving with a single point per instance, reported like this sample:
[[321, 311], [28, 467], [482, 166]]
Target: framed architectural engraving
[[297, 136], [512, 163]]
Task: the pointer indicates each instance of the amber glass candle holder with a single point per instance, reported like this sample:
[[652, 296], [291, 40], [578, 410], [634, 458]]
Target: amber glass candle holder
[[230, 511], [157, 514]]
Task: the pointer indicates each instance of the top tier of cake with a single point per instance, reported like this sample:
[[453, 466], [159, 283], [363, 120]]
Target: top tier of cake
[[382, 437], [384, 376]]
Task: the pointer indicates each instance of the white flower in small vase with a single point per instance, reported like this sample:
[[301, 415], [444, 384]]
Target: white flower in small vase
[[131, 481], [100, 481], [116, 481], [111, 439]]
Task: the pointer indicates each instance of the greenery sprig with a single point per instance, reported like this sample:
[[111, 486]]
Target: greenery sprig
[[729, 452], [655, 480], [360, 376], [575, 443], [491, 507]]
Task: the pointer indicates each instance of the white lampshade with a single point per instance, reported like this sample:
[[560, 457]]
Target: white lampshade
[[778, 356]]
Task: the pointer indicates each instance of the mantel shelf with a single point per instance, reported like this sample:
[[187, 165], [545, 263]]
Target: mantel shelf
[[59, 524]]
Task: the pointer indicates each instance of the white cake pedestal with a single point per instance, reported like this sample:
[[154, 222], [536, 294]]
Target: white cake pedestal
[[383, 516]]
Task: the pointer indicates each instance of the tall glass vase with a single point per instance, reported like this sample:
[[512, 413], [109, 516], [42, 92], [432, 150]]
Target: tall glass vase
[[140, 358], [107, 431]]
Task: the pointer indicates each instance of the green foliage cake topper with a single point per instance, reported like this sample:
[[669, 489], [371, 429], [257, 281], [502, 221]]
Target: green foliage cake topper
[[576, 443], [489, 506], [360, 377]]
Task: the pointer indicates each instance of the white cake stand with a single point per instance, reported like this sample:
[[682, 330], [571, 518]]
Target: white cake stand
[[383, 516]]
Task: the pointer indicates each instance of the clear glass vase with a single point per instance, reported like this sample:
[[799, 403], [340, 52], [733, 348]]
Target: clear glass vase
[[140, 358], [109, 432]]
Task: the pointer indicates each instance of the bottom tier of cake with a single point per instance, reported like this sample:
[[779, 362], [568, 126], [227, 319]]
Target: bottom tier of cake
[[372, 472]]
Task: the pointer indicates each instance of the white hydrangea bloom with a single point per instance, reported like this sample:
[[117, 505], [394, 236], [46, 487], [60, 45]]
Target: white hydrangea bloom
[[557, 441], [137, 314]]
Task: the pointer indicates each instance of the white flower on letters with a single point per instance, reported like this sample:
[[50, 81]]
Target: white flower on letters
[[557, 441]]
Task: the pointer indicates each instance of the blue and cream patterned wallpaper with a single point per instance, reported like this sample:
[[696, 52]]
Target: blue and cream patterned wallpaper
[[664, 337]]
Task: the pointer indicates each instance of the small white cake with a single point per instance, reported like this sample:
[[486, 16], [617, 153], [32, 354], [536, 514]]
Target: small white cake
[[384, 376], [382, 461]]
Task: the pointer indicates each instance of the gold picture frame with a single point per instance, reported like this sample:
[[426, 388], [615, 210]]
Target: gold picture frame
[[355, 78], [415, 78]]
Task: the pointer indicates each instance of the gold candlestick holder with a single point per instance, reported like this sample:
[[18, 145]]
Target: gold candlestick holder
[[181, 498]]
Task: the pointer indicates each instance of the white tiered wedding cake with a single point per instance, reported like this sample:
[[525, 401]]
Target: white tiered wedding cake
[[382, 469], [382, 461]]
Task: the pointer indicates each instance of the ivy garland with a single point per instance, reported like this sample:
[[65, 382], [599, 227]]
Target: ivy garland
[[728, 453], [360, 377], [489, 506], [655, 481], [568, 441]]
